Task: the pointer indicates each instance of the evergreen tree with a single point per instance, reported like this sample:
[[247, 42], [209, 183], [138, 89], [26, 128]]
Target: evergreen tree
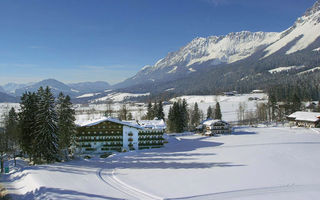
[[150, 112], [195, 116], [46, 126], [27, 119], [160, 113], [218, 114], [296, 103], [178, 117], [129, 117], [272, 106], [184, 115], [154, 110], [209, 112], [12, 132], [66, 125]]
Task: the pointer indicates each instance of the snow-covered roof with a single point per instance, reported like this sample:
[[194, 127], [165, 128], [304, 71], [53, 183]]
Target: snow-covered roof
[[150, 124], [213, 121], [305, 116], [95, 122]]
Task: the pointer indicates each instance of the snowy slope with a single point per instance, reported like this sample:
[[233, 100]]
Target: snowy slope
[[118, 96], [307, 27], [254, 163]]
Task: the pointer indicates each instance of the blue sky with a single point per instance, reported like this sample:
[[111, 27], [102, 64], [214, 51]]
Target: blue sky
[[110, 40]]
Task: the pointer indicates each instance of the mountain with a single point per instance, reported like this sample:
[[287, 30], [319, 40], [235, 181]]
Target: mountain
[[56, 88], [215, 49], [216, 63], [2, 90], [7, 98], [89, 87], [10, 88]]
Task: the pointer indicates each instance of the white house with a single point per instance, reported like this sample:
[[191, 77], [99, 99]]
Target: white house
[[305, 119], [109, 134], [215, 126]]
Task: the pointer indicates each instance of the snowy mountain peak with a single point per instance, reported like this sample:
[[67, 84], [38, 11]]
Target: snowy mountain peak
[[218, 49], [304, 32], [314, 9]]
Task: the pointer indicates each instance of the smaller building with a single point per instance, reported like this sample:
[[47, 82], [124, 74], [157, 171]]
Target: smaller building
[[212, 127], [305, 119]]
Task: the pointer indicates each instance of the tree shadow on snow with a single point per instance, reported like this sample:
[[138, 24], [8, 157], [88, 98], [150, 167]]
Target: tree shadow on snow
[[57, 193]]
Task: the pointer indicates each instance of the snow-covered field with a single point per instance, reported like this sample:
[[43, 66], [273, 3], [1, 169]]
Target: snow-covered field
[[253, 163], [229, 104]]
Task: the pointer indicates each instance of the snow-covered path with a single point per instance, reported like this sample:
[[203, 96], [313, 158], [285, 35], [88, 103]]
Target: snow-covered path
[[253, 163]]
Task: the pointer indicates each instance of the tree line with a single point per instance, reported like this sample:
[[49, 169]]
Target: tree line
[[181, 118], [43, 129]]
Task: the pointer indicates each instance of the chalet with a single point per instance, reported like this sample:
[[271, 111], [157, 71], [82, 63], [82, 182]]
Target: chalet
[[109, 134], [212, 127], [305, 119]]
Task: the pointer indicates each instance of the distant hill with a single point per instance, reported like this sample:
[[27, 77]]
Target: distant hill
[[90, 87], [7, 98]]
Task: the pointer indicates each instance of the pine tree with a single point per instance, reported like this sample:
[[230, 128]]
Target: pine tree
[[195, 116], [272, 106], [154, 110], [66, 125], [296, 103], [218, 114], [160, 113], [11, 132], [27, 119], [209, 112], [46, 135], [149, 114]]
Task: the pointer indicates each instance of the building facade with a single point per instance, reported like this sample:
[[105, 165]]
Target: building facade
[[305, 119], [212, 127], [108, 134]]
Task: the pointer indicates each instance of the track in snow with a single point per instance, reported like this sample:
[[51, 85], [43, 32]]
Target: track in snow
[[253, 192], [133, 193]]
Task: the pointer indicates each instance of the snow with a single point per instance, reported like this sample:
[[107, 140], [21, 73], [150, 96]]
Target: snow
[[170, 89], [305, 116], [151, 124], [103, 119], [228, 104], [173, 70], [253, 163], [5, 108], [305, 27], [310, 70], [192, 70], [88, 95], [118, 96], [317, 49], [281, 69], [73, 90]]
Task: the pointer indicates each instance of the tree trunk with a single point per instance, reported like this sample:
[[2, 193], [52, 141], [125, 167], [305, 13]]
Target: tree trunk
[[2, 166]]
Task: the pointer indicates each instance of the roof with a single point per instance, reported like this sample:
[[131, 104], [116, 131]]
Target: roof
[[305, 116], [95, 122], [213, 121], [151, 124]]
